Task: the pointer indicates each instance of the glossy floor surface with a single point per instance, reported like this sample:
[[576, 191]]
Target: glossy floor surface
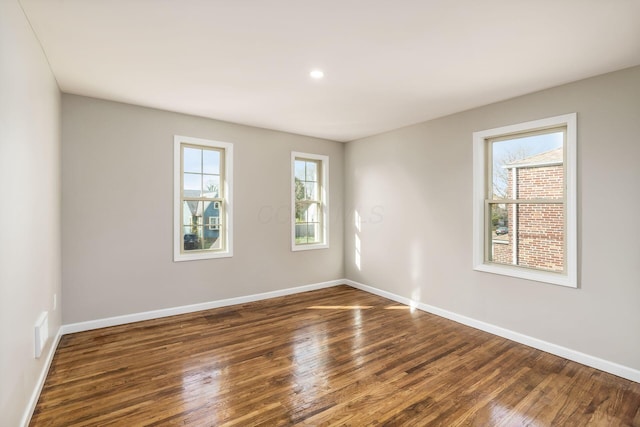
[[336, 356]]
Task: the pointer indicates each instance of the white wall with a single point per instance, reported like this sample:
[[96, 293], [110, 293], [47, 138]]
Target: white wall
[[30, 266], [413, 190], [117, 212]]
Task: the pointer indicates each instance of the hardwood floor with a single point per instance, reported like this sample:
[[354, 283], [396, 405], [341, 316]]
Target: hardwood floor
[[336, 356]]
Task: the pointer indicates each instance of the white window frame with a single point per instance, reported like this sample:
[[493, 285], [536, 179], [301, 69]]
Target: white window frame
[[324, 201], [567, 278], [226, 181]]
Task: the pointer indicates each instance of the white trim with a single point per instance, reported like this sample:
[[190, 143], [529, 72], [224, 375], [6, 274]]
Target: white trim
[[514, 218], [172, 311], [570, 278], [585, 359], [35, 395], [228, 199], [533, 165], [324, 189], [479, 162], [567, 353]]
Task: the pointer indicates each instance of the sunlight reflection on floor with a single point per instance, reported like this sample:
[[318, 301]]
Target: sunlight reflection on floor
[[198, 382], [310, 361], [339, 307], [510, 416]]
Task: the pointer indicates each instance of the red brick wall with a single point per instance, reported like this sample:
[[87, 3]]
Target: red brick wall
[[502, 252], [541, 182], [540, 236]]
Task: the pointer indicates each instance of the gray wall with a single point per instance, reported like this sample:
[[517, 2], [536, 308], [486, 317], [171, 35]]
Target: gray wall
[[117, 212], [413, 190], [30, 214]]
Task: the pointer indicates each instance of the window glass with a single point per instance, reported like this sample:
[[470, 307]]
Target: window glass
[[202, 197], [309, 189]]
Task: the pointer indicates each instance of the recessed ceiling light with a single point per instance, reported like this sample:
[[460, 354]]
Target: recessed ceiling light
[[316, 74]]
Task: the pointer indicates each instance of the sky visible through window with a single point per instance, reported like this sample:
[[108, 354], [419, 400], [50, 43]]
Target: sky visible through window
[[532, 145], [518, 148], [201, 172]]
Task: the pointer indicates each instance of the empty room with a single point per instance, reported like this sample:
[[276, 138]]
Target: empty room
[[339, 213]]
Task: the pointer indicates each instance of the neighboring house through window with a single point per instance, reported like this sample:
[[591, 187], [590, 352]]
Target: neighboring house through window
[[309, 201], [525, 200], [203, 173]]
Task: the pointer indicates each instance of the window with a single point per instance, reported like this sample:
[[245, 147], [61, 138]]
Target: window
[[525, 200], [203, 172], [309, 201]]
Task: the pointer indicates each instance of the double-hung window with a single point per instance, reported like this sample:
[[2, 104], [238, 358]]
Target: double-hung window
[[203, 172], [525, 200], [309, 201]]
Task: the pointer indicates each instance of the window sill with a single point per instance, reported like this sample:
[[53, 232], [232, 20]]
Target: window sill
[[529, 274], [296, 248], [201, 255]]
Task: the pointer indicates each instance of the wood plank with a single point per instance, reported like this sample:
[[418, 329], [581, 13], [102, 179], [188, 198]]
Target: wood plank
[[336, 356]]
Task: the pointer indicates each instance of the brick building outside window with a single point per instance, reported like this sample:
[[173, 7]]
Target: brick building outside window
[[534, 235]]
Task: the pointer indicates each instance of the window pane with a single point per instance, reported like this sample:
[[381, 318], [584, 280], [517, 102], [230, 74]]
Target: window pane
[[211, 210], [301, 212], [311, 191], [299, 190], [212, 240], [312, 171], [545, 182], [307, 233], [190, 212], [301, 233], [534, 161], [211, 186], [192, 158], [307, 212], [201, 225], [299, 170], [313, 213], [528, 235], [211, 162], [313, 233], [211, 220], [192, 238], [192, 185]]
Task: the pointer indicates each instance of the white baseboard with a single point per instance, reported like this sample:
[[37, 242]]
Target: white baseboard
[[567, 353], [35, 395], [166, 312]]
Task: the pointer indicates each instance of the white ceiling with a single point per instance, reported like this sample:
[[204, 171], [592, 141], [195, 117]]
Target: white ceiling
[[387, 63]]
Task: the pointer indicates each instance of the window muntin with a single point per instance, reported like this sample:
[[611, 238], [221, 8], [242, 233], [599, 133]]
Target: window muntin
[[203, 199], [309, 201], [525, 191]]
